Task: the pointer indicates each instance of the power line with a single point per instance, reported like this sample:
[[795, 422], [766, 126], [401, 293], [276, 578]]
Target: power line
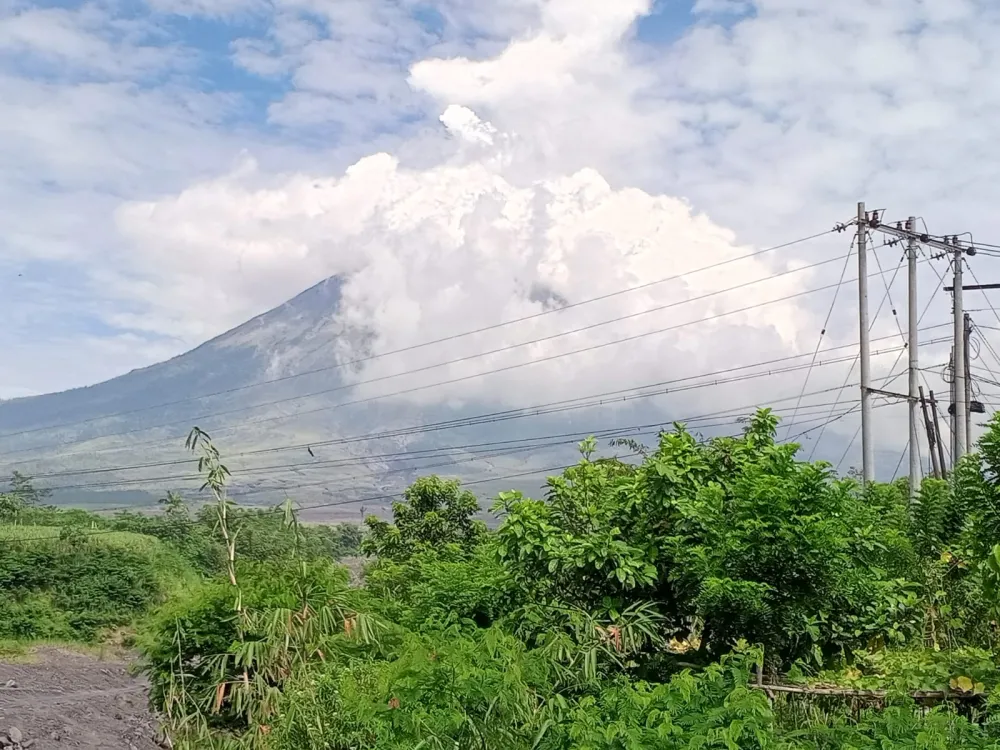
[[881, 304], [895, 317], [888, 290], [415, 455], [457, 360], [899, 463], [472, 450], [850, 370], [986, 340], [994, 381], [826, 423], [593, 347], [985, 295], [822, 333], [536, 410], [889, 379], [989, 346], [378, 498], [324, 483], [446, 339], [945, 445], [731, 412]]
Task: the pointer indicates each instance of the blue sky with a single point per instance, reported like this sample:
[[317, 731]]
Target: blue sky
[[171, 168]]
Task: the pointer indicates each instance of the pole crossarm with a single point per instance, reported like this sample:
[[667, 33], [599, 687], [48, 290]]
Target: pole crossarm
[[973, 287], [901, 233], [891, 394]]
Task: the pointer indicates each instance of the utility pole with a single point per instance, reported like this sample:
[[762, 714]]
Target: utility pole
[[952, 406], [961, 404], [913, 354], [967, 334], [949, 247], [867, 449]]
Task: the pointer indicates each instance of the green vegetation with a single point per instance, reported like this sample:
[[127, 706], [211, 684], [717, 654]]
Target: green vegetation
[[72, 575], [718, 594], [72, 588]]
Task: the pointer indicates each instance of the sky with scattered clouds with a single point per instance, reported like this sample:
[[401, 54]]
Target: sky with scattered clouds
[[171, 168]]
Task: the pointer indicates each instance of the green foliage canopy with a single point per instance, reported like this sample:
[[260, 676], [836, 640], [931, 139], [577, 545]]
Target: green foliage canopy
[[436, 515]]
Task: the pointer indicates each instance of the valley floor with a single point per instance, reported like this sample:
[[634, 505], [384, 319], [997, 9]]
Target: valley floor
[[58, 699]]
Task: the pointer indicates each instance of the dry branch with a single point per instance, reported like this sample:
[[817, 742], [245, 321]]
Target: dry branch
[[857, 693]]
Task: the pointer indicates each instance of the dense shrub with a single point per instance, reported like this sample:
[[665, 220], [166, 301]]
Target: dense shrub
[[427, 593], [476, 690], [73, 589], [206, 645], [436, 516]]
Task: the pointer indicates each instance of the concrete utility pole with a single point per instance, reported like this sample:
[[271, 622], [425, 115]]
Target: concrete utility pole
[[913, 353], [953, 401], [949, 248], [867, 448], [968, 383], [961, 405]]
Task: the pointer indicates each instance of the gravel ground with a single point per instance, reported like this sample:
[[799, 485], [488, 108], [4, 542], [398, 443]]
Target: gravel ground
[[62, 700]]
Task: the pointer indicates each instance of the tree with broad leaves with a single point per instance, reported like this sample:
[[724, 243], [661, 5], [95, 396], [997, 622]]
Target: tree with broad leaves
[[436, 515]]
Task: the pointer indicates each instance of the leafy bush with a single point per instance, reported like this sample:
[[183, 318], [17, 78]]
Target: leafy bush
[[733, 537], [218, 656], [57, 589], [428, 593], [960, 670], [479, 690], [712, 709], [580, 545], [436, 516], [264, 536]]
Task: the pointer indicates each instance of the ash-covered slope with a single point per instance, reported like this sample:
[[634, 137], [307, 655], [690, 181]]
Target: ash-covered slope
[[238, 358], [252, 388]]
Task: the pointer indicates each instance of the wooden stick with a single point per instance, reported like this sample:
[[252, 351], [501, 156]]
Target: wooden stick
[[931, 437], [937, 434], [855, 693]]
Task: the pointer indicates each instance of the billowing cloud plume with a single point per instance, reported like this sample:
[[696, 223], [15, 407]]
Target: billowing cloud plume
[[573, 155], [429, 253], [518, 215]]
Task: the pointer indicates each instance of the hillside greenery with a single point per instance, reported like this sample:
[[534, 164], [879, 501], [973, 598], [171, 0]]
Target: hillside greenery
[[72, 575], [711, 594]]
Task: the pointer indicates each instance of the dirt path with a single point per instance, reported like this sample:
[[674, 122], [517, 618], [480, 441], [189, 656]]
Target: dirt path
[[61, 700]]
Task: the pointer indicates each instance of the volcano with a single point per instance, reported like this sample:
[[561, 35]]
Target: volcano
[[270, 393]]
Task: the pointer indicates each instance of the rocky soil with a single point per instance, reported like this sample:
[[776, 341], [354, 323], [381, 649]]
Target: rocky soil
[[60, 700]]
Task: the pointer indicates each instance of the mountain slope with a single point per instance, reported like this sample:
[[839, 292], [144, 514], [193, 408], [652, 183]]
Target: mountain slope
[[287, 353], [272, 394]]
